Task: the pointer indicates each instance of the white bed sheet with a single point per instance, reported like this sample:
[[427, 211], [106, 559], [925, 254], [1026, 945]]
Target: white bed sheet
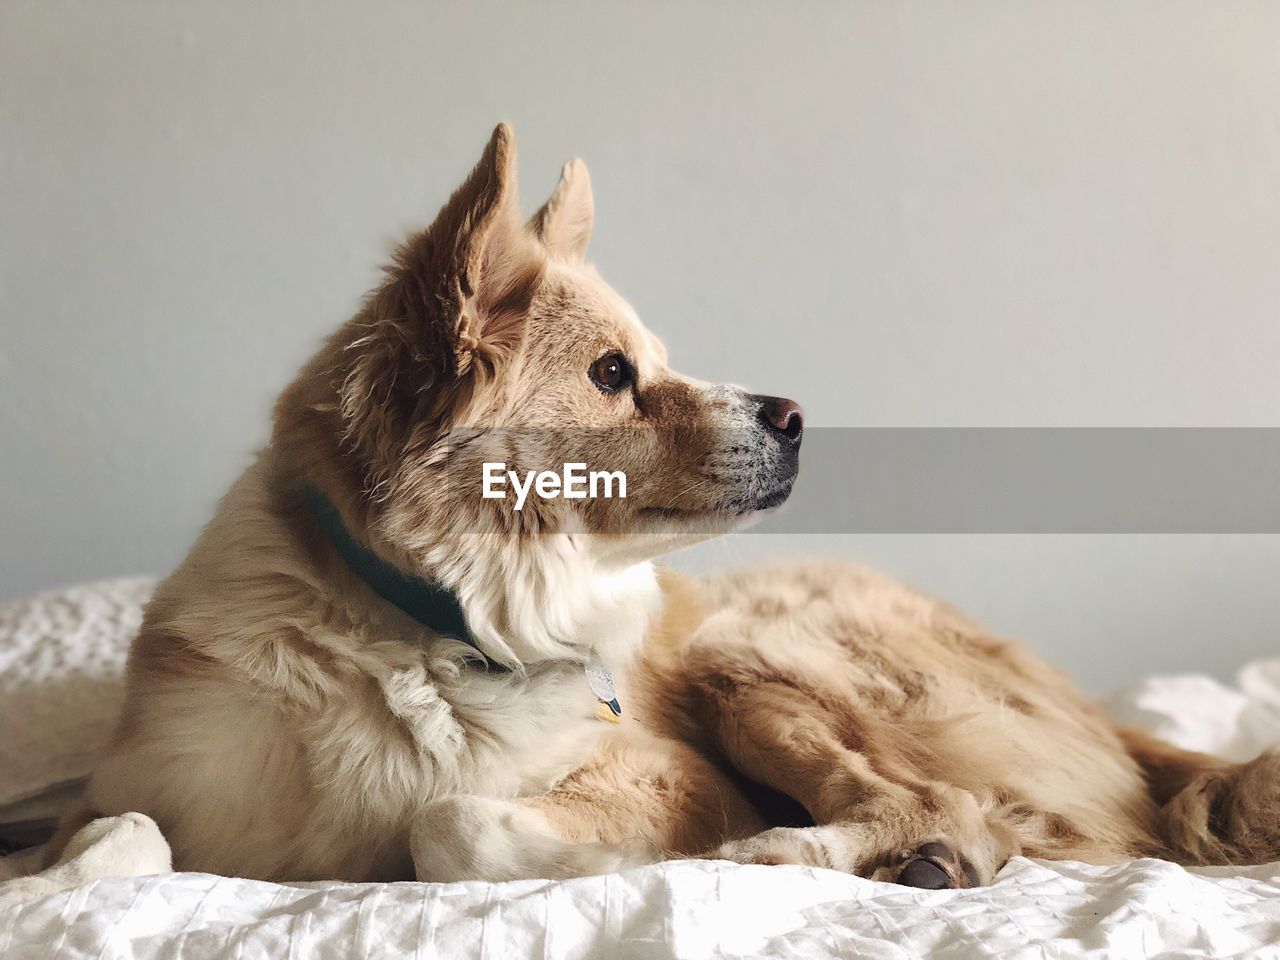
[[688, 909], [703, 909]]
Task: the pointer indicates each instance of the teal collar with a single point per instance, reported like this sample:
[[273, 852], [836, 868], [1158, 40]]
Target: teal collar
[[432, 604]]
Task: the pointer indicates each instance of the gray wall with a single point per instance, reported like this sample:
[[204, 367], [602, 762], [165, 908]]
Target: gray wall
[[1059, 213]]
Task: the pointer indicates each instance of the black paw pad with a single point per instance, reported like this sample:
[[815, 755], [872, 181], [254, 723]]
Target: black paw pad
[[924, 874], [935, 866]]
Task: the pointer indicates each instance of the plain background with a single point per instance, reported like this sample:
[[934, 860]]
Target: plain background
[[1059, 213]]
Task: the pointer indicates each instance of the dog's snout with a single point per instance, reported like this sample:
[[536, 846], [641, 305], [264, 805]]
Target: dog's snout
[[782, 417]]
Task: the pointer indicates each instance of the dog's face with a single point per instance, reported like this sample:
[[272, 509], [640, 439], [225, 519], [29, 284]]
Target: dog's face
[[591, 386], [494, 343]]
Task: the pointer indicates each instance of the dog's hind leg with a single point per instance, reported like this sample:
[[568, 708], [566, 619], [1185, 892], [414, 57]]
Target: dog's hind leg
[[908, 829], [69, 825], [1212, 812], [641, 799], [125, 846]]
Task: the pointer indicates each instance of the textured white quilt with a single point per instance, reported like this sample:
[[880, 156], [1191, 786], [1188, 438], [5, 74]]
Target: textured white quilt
[[687, 909], [696, 909]]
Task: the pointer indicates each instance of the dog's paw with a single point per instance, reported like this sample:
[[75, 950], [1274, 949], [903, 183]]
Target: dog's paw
[[934, 866], [129, 845], [847, 847]]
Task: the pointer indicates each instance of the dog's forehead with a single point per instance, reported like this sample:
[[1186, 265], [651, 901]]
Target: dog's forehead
[[579, 295]]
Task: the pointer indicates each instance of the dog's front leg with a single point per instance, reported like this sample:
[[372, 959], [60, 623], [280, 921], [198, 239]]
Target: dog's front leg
[[640, 799], [468, 837]]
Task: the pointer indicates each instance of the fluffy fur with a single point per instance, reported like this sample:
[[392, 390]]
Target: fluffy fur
[[285, 722]]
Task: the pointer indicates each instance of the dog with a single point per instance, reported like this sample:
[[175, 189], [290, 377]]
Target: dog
[[373, 666]]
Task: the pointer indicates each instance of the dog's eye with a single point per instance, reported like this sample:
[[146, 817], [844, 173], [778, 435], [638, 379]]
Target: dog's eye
[[611, 373]]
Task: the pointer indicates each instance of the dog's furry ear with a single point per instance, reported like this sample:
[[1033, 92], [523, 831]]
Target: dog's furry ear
[[473, 271], [449, 312], [564, 223]]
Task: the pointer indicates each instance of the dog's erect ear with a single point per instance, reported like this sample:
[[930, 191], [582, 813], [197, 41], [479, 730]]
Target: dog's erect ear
[[564, 222], [450, 310], [467, 277]]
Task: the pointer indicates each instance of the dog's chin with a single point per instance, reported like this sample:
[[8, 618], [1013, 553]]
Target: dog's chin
[[652, 531], [770, 499], [725, 515]]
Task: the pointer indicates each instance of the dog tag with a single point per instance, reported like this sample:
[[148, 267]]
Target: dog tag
[[601, 682]]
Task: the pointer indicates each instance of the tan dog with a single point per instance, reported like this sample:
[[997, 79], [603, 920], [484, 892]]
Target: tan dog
[[367, 669]]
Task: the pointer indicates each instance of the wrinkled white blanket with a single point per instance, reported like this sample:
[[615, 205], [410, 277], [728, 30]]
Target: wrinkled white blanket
[[685, 909]]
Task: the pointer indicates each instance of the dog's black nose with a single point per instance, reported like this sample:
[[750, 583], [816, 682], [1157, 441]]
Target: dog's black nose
[[782, 417]]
